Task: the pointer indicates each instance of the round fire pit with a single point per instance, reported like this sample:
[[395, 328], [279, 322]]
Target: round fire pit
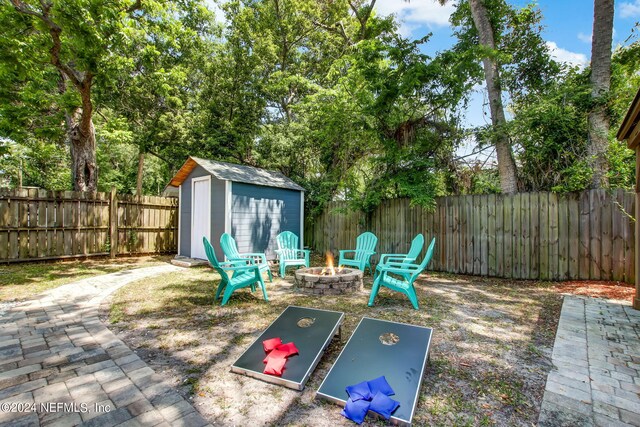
[[347, 280]]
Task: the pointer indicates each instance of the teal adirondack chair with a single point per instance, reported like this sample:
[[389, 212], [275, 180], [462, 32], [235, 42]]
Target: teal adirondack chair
[[289, 252], [414, 252], [230, 249], [365, 248], [243, 276], [406, 274]]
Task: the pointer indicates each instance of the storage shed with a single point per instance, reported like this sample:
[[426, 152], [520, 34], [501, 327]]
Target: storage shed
[[253, 205]]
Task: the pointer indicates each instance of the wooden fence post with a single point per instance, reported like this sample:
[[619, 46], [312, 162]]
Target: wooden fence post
[[636, 299], [113, 224]]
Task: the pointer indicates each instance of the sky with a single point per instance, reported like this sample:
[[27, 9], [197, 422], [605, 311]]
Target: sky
[[567, 31]]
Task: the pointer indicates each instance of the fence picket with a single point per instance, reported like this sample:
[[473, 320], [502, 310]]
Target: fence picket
[[563, 238], [516, 237], [629, 228], [595, 242], [617, 242], [529, 235], [574, 236], [534, 221], [535, 236], [606, 231], [40, 224], [584, 252], [499, 236]]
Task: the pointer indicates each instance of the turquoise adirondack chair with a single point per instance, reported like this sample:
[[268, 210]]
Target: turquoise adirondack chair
[[230, 249], [243, 276], [406, 274], [365, 248], [289, 252], [414, 252]]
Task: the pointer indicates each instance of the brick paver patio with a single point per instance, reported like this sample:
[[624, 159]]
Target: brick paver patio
[[596, 356], [61, 366]]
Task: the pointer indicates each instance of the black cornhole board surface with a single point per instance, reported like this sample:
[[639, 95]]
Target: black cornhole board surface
[[311, 343], [365, 358]]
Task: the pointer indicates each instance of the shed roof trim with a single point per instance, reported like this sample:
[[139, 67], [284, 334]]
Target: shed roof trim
[[630, 123], [235, 173]]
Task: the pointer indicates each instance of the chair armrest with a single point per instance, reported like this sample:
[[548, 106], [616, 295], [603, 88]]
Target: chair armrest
[[385, 256], [402, 266], [242, 260], [262, 256], [404, 261], [344, 251], [386, 270], [243, 267], [233, 262]]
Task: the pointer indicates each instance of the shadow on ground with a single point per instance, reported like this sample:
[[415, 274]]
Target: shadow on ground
[[489, 359]]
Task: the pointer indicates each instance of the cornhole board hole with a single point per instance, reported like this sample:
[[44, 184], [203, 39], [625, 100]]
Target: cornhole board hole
[[311, 330], [398, 351]]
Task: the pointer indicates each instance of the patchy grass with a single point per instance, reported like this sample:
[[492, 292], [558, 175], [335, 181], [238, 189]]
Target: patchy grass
[[489, 357], [23, 280]]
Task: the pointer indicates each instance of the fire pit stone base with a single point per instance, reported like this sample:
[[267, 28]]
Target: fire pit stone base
[[349, 280]]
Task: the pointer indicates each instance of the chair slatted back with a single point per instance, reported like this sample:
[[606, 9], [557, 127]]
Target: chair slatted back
[[229, 246], [366, 242], [211, 256], [288, 245], [416, 247], [427, 257]]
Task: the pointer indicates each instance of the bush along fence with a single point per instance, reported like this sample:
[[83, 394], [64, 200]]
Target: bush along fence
[[40, 224], [547, 236]]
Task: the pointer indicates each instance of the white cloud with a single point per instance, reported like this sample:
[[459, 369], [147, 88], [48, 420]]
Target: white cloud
[[563, 55], [416, 13], [584, 37], [214, 6], [630, 10]]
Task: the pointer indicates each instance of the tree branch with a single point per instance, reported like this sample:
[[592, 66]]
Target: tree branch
[[135, 6], [54, 31], [337, 29]]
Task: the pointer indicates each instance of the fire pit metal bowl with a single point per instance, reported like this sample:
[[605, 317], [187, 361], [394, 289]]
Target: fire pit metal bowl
[[314, 280]]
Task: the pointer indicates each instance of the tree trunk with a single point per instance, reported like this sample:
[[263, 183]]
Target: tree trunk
[[83, 151], [506, 164], [140, 172], [600, 83]]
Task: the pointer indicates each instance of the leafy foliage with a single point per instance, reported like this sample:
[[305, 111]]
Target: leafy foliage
[[324, 91]]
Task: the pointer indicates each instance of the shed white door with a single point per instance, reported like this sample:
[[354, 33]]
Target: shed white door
[[200, 215]]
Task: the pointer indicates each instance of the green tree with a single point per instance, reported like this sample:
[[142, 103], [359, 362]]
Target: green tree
[[482, 24], [59, 57]]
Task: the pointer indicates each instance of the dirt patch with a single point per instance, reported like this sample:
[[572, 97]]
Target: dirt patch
[[490, 351], [598, 289]]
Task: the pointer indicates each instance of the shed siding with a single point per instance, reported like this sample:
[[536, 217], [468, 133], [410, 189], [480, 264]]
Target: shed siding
[[259, 214], [185, 212], [217, 214]]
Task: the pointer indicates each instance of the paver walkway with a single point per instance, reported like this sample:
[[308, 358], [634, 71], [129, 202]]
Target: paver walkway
[[596, 356], [60, 365]]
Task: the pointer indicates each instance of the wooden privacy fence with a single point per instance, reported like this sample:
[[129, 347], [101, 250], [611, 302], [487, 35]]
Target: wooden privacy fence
[[576, 236], [40, 224]]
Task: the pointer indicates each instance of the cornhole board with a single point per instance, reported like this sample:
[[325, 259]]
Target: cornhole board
[[311, 342], [365, 358]]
